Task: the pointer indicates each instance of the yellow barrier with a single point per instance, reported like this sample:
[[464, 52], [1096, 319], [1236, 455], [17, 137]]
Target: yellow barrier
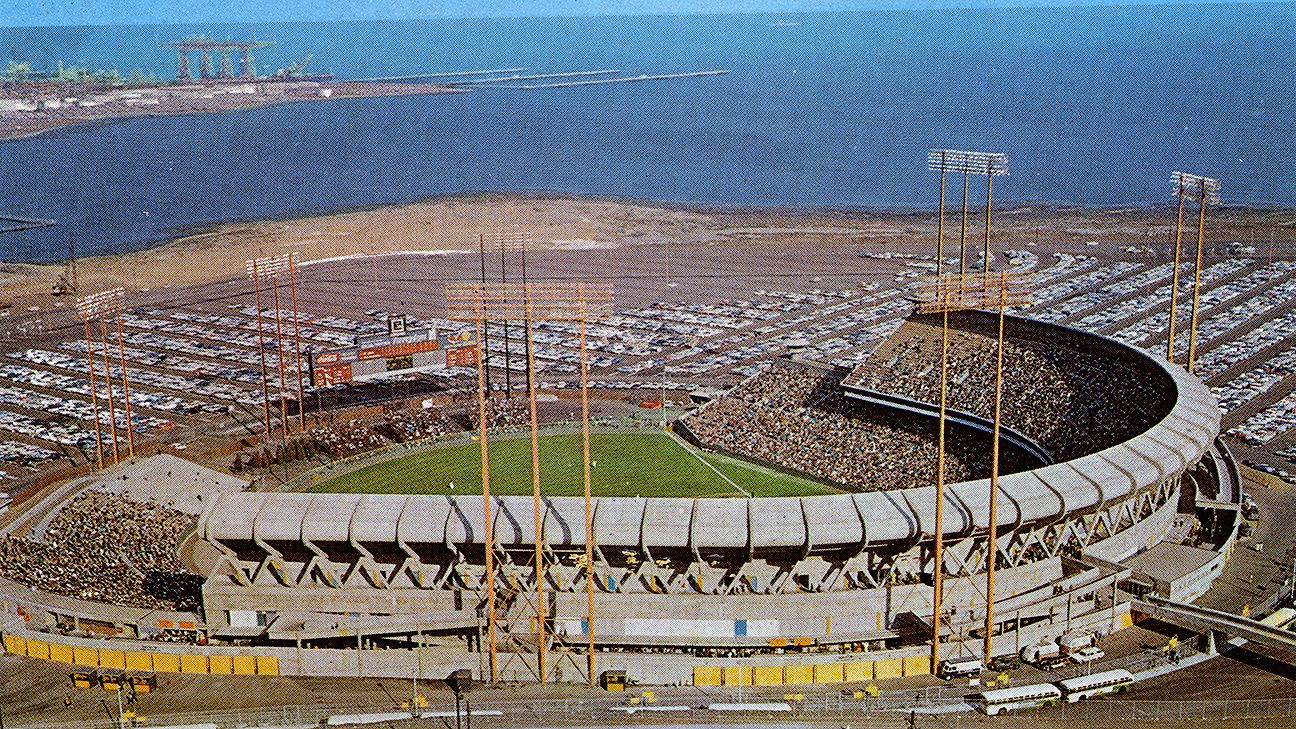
[[859, 671], [737, 676], [890, 668], [917, 665], [267, 665], [60, 652], [706, 676], [767, 675], [137, 661], [166, 662], [829, 673], [795, 675], [221, 664], [15, 644], [193, 664], [37, 649], [111, 658], [244, 665], [186, 663]]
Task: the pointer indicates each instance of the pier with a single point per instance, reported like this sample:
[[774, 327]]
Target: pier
[[442, 74], [539, 76], [13, 223], [640, 77]]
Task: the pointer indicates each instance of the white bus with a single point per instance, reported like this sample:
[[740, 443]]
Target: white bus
[[1097, 684], [1018, 697]]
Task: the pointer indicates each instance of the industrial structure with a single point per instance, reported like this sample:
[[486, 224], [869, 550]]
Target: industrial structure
[[205, 47]]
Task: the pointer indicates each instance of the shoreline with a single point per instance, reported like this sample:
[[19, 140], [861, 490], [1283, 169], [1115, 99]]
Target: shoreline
[[118, 103]]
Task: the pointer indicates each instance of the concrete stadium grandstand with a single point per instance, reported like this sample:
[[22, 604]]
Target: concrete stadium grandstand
[[1109, 454]]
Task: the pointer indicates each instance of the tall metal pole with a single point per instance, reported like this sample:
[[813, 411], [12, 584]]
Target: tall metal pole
[[1196, 304], [992, 546], [508, 361], [279, 354], [265, 378], [94, 393], [112, 411], [482, 342], [963, 228], [589, 504], [940, 221], [130, 428], [985, 262], [1174, 278], [541, 608], [292, 287], [938, 546], [529, 358], [938, 541], [488, 527]]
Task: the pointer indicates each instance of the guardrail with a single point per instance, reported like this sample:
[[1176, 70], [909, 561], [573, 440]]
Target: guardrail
[[826, 710]]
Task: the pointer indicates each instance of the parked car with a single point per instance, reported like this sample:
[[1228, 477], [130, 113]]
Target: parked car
[[1088, 654]]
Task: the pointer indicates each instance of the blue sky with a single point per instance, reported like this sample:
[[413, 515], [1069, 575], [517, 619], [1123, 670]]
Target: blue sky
[[104, 12]]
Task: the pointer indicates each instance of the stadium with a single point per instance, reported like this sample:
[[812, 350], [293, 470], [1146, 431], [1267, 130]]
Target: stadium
[[1108, 445], [779, 532]]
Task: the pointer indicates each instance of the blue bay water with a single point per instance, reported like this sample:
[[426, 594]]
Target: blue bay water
[[1093, 106]]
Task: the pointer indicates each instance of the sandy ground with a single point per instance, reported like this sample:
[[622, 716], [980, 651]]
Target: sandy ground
[[454, 223]]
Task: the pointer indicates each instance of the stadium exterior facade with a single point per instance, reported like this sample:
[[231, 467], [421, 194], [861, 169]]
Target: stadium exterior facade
[[726, 577]]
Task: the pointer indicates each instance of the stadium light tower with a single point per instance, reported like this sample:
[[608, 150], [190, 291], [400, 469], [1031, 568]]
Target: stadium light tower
[[103, 306], [1206, 191], [254, 272], [944, 294], [990, 164], [517, 240], [533, 302], [272, 267], [297, 350]]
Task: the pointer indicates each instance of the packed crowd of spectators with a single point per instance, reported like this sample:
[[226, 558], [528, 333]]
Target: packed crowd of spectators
[[501, 413], [1070, 402], [353, 436], [796, 417], [105, 547]]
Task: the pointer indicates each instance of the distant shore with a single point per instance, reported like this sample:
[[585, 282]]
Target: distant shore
[[452, 223], [29, 109]]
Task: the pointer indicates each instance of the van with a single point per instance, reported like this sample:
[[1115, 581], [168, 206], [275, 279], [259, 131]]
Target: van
[[958, 667]]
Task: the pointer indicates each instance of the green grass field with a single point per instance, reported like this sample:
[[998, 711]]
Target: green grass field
[[626, 464]]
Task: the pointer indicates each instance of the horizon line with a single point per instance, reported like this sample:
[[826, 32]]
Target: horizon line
[[865, 6]]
